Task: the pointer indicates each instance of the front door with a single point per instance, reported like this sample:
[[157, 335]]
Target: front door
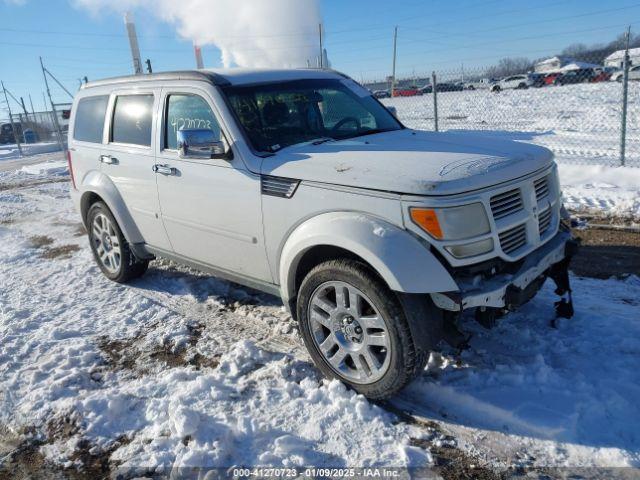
[[210, 207]]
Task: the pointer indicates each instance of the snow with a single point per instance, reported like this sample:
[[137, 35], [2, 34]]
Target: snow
[[10, 151], [579, 123], [181, 369], [90, 360], [600, 189], [575, 388]]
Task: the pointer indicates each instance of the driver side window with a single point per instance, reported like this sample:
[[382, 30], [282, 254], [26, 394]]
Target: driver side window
[[337, 105], [187, 111]]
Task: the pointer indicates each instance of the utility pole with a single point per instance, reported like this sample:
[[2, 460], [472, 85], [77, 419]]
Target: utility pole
[[625, 93], [395, 52], [198, 53], [13, 126], [26, 112], [133, 43], [54, 114], [321, 46]]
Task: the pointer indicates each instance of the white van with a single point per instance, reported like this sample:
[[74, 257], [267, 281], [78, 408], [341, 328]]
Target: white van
[[301, 184]]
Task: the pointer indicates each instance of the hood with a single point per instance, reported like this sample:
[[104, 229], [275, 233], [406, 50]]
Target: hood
[[410, 162]]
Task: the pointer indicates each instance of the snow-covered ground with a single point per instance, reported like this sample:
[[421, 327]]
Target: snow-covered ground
[[580, 123], [601, 190], [180, 369], [10, 151]]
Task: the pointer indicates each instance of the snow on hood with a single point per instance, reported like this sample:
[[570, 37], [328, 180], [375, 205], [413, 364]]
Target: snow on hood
[[411, 162]]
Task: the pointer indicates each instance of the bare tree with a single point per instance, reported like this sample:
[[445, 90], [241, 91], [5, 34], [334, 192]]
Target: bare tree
[[510, 66]]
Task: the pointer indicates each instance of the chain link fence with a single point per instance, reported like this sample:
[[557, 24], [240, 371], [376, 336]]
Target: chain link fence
[[575, 108], [32, 133]]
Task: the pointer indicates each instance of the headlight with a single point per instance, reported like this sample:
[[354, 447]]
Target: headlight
[[452, 223]]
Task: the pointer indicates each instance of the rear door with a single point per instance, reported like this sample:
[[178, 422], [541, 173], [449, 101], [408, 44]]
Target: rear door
[[211, 208], [129, 157]]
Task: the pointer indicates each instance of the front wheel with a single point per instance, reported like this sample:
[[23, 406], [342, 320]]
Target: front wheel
[[111, 250], [356, 330]]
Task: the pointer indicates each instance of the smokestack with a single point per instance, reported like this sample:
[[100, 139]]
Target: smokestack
[[133, 43], [198, 53]]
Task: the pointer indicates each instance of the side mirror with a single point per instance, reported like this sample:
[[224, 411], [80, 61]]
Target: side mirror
[[393, 111], [200, 143]]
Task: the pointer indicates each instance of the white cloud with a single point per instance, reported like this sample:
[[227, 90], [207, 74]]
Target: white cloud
[[250, 33]]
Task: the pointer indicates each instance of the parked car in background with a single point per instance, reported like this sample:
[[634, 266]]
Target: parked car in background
[[7, 134], [449, 87], [549, 78], [513, 82], [603, 74], [443, 87], [375, 236], [482, 84], [382, 94], [537, 80], [581, 75], [634, 74], [411, 91]]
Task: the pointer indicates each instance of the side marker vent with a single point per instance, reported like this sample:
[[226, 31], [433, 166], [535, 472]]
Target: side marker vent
[[278, 186]]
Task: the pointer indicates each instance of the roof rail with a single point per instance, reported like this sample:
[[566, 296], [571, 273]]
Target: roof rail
[[198, 75]]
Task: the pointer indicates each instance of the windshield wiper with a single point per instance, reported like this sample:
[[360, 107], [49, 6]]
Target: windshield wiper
[[320, 140], [373, 131]]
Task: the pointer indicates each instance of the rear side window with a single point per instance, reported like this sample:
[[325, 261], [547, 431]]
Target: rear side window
[[89, 123], [132, 118]]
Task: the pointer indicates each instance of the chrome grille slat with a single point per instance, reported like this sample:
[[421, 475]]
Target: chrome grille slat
[[512, 239], [541, 186], [544, 221], [506, 203]]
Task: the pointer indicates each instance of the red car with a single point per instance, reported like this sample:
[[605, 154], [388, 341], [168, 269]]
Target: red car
[[407, 92], [550, 78], [603, 75]]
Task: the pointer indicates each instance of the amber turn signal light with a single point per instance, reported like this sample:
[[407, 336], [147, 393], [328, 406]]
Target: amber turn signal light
[[427, 219]]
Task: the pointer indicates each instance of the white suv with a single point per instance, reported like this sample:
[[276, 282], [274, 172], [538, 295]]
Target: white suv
[[513, 82], [301, 184]]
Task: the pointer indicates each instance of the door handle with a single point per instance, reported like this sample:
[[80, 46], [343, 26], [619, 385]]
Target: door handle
[[108, 159], [164, 169]]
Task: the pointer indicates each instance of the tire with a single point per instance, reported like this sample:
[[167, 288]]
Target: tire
[[110, 249], [373, 342], [496, 88]]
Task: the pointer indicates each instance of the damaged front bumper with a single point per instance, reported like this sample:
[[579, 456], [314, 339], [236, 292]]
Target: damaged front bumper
[[509, 291]]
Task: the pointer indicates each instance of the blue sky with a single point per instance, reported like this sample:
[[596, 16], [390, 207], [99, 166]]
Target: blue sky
[[442, 36]]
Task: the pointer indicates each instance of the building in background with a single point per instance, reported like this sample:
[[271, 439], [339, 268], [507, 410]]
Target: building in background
[[552, 64], [616, 59]]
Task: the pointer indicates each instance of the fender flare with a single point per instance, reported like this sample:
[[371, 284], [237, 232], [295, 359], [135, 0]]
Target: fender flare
[[401, 259], [98, 183]]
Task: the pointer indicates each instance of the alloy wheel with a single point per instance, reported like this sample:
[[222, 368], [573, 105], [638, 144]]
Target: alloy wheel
[[106, 243], [349, 332]]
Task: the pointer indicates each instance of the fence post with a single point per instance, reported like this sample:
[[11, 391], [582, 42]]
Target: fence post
[[13, 126], [625, 94], [435, 100]]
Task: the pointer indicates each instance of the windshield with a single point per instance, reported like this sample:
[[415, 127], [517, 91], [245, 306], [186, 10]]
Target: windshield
[[276, 115]]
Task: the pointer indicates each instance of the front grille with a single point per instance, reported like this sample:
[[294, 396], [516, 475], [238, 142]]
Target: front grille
[[544, 220], [542, 188], [506, 203], [514, 238]]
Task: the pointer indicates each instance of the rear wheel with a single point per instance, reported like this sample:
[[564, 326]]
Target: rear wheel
[[356, 330], [111, 250]]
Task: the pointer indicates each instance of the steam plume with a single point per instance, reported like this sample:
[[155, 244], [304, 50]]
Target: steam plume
[[250, 33]]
